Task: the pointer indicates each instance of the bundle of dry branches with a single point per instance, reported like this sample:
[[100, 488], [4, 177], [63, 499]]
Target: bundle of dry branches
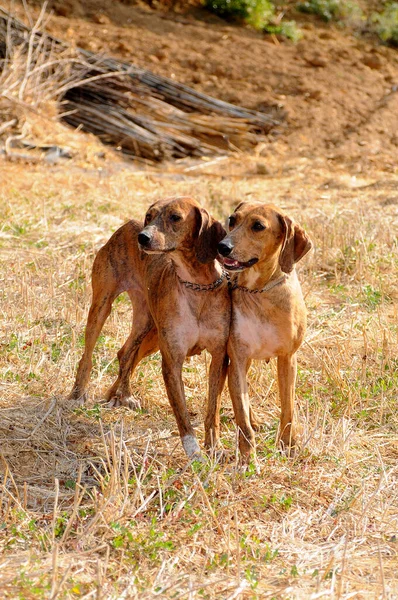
[[127, 106]]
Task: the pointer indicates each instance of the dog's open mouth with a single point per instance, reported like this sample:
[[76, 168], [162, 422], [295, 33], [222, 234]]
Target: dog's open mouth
[[234, 265]]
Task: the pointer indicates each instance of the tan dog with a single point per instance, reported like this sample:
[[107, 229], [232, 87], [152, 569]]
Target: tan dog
[[181, 305], [268, 310]]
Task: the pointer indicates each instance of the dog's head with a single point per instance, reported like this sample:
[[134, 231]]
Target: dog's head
[[258, 232], [180, 224]]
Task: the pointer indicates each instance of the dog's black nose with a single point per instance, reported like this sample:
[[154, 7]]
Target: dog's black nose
[[225, 247], [144, 238]]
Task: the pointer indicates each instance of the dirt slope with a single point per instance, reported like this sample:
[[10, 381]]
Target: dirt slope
[[339, 91]]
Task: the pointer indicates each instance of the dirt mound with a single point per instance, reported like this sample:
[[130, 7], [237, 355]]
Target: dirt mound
[[339, 91]]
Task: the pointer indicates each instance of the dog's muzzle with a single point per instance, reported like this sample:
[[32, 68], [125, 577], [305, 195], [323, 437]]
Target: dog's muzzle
[[144, 239], [225, 247]]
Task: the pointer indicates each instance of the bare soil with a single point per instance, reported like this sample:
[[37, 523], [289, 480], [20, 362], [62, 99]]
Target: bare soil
[[337, 87]]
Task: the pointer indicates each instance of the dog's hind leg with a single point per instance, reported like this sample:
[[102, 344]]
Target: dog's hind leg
[[137, 346], [105, 287], [99, 312], [142, 341]]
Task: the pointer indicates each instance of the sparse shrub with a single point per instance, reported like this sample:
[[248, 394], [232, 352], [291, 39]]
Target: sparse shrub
[[387, 24], [256, 13], [287, 29], [330, 10], [259, 14], [326, 9]]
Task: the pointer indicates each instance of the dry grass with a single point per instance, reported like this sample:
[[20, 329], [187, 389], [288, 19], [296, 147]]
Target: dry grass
[[100, 503], [35, 73]]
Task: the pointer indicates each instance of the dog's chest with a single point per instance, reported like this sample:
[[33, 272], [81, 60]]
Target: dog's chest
[[200, 327], [261, 337]]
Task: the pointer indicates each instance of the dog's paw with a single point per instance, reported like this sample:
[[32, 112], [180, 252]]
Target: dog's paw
[[191, 447], [254, 422], [244, 469], [217, 454], [289, 449], [198, 457], [77, 397], [256, 425], [129, 402]]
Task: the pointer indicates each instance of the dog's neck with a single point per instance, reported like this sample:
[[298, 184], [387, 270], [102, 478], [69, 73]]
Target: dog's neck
[[257, 276], [190, 269]]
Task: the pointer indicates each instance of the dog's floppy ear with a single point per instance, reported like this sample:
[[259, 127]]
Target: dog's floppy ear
[[239, 205], [244, 203], [295, 245], [210, 233]]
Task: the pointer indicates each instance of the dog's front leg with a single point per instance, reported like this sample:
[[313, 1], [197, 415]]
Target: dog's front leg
[[240, 400], [287, 370], [217, 376], [172, 362]]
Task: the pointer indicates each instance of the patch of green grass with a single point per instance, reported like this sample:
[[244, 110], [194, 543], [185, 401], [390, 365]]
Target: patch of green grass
[[55, 352], [60, 524], [217, 561], [17, 229], [78, 283], [41, 244], [122, 299], [151, 545], [283, 501], [33, 376], [109, 367], [31, 587], [13, 344], [372, 297], [105, 208], [91, 413], [338, 289], [10, 377]]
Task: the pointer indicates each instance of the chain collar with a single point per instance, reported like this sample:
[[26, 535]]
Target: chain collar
[[209, 287], [234, 286]]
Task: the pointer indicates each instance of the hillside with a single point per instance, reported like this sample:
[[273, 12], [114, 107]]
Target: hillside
[[337, 87]]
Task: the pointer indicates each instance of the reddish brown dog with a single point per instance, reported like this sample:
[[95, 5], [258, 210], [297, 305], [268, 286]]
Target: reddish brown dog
[[181, 305], [268, 310]]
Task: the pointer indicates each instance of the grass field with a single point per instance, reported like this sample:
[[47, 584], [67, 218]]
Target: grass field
[[100, 503]]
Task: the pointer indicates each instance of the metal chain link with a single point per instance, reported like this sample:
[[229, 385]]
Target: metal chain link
[[209, 287], [266, 288], [232, 285]]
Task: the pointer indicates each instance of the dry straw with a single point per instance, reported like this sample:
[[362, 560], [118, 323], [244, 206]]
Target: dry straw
[[100, 503]]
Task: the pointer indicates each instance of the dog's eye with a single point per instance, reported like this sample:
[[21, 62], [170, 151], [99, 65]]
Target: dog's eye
[[147, 219], [175, 218], [232, 221], [258, 226]]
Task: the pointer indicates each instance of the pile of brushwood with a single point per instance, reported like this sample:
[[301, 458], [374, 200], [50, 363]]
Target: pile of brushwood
[[142, 114]]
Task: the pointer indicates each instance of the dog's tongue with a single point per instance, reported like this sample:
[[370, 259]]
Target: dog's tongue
[[229, 262]]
